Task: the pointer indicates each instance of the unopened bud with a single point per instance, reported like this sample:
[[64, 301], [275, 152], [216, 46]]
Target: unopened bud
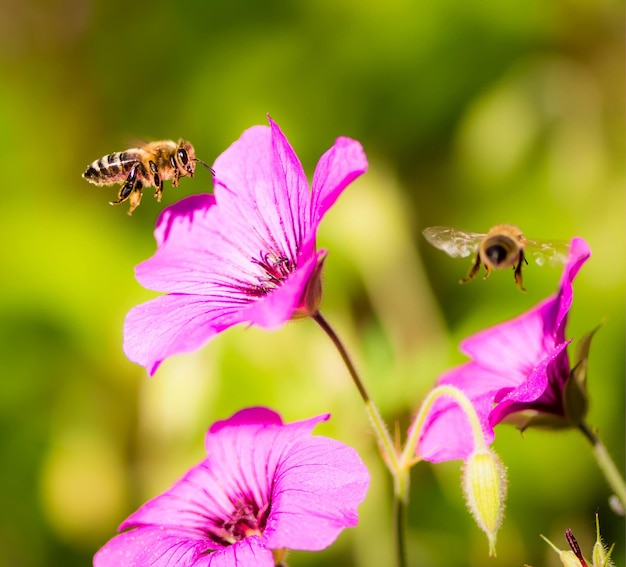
[[484, 485], [600, 556]]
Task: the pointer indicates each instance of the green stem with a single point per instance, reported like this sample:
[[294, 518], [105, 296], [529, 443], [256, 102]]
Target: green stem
[[388, 449], [384, 439], [399, 526], [606, 464]]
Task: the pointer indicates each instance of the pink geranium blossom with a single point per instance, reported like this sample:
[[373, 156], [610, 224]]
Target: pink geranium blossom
[[264, 487], [246, 254], [517, 368]]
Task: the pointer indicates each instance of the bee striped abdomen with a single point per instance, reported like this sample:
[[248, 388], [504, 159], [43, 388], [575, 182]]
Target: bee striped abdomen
[[111, 168]]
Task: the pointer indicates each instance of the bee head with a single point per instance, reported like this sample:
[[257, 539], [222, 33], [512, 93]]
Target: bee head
[[186, 158]]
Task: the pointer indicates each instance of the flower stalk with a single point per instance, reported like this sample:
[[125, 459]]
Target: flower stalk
[[382, 434], [484, 475], [385, 442], [606, 464]]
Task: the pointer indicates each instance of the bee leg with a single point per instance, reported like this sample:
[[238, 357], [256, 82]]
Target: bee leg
[[129, 185], [158, 182], [135, 197], [474, 271], [176, 172], [518, 270]]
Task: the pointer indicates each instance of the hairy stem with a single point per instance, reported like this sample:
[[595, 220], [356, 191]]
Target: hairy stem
[[606, 464]]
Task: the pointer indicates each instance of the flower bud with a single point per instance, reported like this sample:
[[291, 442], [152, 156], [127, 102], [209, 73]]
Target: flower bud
[[600, 556], [484, 485], [575, 396]]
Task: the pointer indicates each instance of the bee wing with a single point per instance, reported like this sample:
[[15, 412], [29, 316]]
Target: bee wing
[[453, 241], [547, 252]]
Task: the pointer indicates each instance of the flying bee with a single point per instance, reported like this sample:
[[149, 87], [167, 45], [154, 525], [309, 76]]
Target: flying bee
[[145, 166], [504, 246]]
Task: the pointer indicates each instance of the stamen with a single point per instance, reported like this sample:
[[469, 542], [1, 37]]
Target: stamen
[[246, 520], [276, 268]]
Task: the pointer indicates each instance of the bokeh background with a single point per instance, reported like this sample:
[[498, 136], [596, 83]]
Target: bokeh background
[[471, 114]]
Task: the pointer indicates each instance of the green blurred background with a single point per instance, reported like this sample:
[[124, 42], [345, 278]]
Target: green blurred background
[[471, 114]]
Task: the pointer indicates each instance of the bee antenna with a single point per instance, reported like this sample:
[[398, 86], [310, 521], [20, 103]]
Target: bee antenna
[[205, 165]]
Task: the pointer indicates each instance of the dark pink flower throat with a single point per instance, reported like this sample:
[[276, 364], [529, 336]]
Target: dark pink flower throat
[[246, 520], [276, 268]]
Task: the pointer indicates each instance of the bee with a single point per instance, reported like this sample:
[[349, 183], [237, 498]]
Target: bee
[[145, 166], [504, 246]]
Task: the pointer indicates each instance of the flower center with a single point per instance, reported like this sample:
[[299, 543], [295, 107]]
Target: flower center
[[275, 269], [246, 520]]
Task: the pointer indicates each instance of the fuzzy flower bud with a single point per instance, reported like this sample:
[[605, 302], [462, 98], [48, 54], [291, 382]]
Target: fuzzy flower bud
[[601, 557], [484, 485]]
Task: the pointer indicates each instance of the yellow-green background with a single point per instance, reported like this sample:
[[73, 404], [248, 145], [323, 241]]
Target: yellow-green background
[[471, 114]]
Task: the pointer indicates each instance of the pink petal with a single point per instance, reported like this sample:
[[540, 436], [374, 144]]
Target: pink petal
[[248, 416], [579, 253], [189, 255], [474, 379], [175, 223], [159, 547], [319, 484], [260, 184], [173, 324], [204, 250], [336, 169], [177, 323], [251, 452], [249, 552], [534, 388], [514, 347], [190, 504], [244, 453], [149, 546], [446, 433]]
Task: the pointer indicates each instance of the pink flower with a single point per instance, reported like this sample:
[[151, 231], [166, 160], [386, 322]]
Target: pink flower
[[264, 486], [518, 370], [246, 254]]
